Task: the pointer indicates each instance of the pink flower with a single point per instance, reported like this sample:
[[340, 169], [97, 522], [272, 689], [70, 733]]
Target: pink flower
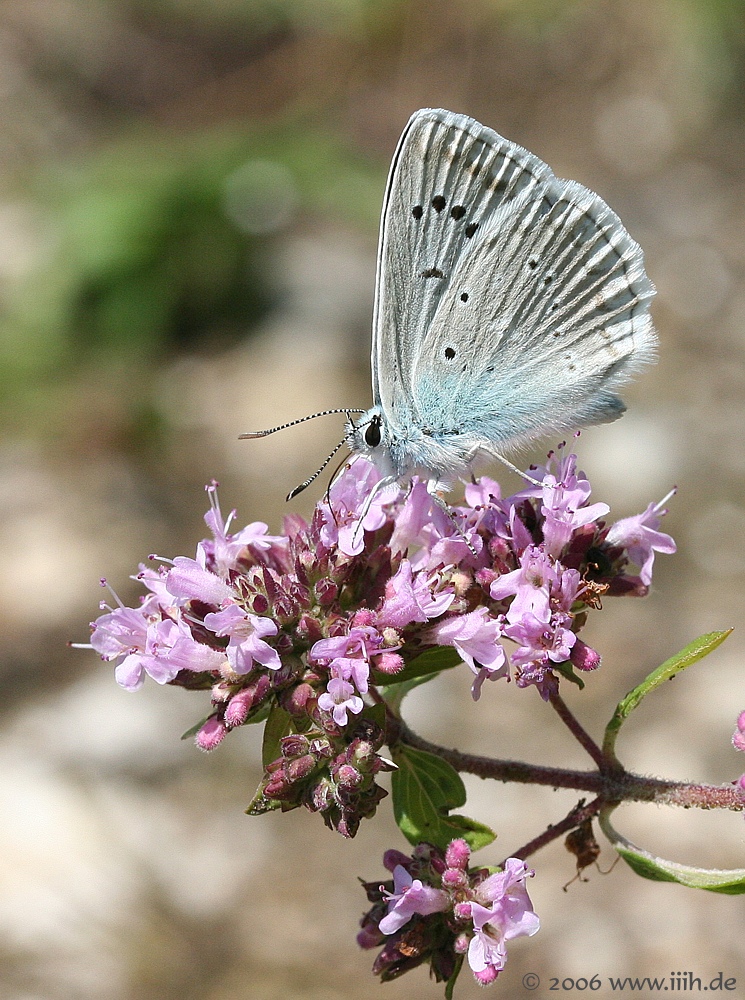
[[501, 912], [340, 698], [530, 585], [161, 651], [540, 641], [640, 536], [475, 636], [410, 896], [348, 656], [350, 513], [190, 581], [222, 554], [738, 737], [564, 497], [247, 632], [409, 599]]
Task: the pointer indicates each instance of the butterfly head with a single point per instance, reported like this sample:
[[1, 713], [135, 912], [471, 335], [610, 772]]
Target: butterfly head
[[370, 437]]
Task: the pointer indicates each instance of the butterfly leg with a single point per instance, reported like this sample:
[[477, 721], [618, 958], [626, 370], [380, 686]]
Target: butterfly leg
[[514, 468], [379, 487]]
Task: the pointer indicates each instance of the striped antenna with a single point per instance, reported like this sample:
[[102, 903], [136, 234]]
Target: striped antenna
[[300, 420], [309, 480]]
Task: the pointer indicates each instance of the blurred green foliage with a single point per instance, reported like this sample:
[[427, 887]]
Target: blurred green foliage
[[149, 253]]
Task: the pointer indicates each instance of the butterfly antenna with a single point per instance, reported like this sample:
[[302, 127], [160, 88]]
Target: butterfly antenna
[[317, 473], [332, 479], [300, 420]]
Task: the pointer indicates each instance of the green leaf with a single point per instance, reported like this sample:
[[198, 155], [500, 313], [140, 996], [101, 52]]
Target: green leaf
[[567, 670], [278, 724], [730, 882], [693, 652], [450, 985], [425, 788], [260, 804]]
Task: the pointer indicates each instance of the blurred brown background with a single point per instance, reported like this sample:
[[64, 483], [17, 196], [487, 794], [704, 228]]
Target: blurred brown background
[[189, 199]]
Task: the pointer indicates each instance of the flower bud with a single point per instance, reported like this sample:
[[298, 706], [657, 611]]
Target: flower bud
[[391, 858], [309, 629], [458, 854], [487, 976], [584, 657], [454, 878], [296, 700], [348, 777], [239, 707], [300, 768], [389, 663], [294, 745], [211, 733]]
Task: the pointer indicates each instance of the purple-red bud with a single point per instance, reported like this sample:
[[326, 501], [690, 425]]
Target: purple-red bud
[[454, 878], [239, 707], [296, 701], [458, 854], [309, 629], [460, 945], [389, 663], [392, 858], [584, 657], [363, 617], [300, 768], [348, 776], [211, 734]]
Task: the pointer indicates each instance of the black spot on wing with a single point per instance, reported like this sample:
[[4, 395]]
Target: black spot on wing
[[457, 212], [438, 203], [417, 211], [471, 229], [433, 272], [449, 353]]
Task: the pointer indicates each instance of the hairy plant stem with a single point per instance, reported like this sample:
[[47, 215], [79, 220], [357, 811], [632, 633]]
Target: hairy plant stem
[[610, 786]]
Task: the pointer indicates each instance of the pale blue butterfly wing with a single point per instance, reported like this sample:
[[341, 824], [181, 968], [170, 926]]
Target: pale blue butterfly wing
[[509, 304]]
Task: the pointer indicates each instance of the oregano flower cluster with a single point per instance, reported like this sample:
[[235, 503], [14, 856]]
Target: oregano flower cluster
[[307, 627]]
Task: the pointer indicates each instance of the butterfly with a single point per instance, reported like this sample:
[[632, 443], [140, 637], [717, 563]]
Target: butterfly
[[510, 304]]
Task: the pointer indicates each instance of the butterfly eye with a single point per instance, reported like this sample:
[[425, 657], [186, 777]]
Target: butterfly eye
[[372, 434]]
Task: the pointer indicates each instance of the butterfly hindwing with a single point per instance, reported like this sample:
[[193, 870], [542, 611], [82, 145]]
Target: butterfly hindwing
[[544, 317]]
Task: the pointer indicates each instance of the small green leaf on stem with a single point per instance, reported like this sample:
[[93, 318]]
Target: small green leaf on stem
[[278, 724], [693, 652], [730, 882], [425, 788]]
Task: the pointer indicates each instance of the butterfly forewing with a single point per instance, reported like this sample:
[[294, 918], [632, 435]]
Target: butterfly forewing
[[450, 176]]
